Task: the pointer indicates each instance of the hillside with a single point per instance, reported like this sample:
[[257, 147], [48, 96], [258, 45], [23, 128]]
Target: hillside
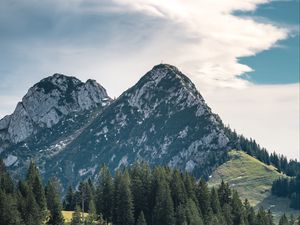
[[253, 180]]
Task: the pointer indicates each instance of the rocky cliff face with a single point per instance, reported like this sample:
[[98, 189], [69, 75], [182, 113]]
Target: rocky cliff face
[[162, 119], [47, 103]]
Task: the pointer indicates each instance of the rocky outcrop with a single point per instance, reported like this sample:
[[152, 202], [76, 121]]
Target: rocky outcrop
[[47, 102]]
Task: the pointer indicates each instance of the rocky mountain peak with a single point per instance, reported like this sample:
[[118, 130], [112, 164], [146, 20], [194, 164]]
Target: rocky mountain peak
[[47, 102]]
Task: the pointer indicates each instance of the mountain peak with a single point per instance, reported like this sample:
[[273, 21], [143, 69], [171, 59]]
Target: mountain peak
[[48, 101], [165, 66]]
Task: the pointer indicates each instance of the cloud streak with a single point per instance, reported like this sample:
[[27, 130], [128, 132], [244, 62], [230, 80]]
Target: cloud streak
[[116, 42]]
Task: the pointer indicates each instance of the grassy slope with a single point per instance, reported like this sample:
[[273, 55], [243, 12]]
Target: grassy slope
[[253, 180]]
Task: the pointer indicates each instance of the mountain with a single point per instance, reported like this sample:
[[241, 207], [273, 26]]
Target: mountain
[[52, 113], [70, 128], [253, 180]]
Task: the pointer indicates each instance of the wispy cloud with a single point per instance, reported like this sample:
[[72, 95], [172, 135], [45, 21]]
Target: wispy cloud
[[116, 42]]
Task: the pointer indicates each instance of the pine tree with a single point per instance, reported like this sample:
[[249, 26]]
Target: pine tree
[[104, 196], [76, 216], [203, 197], [214, 201], [249, 213], [34, 182], [261, 218], [141, 219], [224, 193], [193, 216], [9, 214], [283, 220], [123, 211], [70, 201], [31, 211], [54, 203], [6, 183], [237, 210], [178, 189], [180, 215], [163, 212], [141, 188], [92, 217]]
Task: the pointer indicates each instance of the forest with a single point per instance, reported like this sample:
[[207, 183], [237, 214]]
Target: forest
[[288, 187], [138, 195]]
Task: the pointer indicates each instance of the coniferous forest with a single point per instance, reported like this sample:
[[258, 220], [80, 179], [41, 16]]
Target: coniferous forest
[[288, 187], [136, 196]]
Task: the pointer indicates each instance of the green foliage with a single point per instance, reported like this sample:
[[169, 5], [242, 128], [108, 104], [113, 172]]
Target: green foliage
[[168, 197], [54, 203], [141, 219], [76, 217], [104, 194], [123, 204], [288, 187]]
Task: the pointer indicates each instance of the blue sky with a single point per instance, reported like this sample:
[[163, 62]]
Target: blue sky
[[243, 56], [279, 65]]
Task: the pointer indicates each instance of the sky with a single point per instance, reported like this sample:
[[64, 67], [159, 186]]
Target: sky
[[243, 56]]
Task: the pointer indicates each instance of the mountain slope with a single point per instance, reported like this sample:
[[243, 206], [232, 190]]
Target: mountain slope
[[52, 113], [253, 180], [162, 120]]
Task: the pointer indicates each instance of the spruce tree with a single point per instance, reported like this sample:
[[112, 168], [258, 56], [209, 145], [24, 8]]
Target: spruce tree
[[123, 204], [69, 201], [141, 188], [163, 212], [76, 216], [9, 214], [224, 193], [104, 194], [249, 213], [237, 210], [193, 216], [178, 189], [6, 183], [54, 203], [283, 220], [141, 219], [34, 182], [214, 201], [203, 197], [92, 217]]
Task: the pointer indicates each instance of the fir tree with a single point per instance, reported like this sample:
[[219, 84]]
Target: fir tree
[[76, 216], [54, 203], [214, 201], [123, 211], [203, 197], [163, 212], [193, 216], [104, 196], [283, 220], [70, 201], [92, 217], [141, 219]]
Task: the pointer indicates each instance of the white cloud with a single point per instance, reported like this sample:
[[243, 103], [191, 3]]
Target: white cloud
[[116, 42]]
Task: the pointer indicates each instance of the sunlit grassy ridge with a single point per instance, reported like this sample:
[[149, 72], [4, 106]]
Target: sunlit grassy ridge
[[253, 180]]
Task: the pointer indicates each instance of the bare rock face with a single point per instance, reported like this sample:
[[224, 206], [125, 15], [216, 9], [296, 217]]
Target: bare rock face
[[47, 102]]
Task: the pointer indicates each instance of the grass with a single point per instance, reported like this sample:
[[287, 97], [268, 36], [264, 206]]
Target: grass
[[253, 180], [68, 216]]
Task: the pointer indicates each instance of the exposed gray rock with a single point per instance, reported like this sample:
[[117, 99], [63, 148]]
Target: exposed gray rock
[[4, 122], [47, 102]]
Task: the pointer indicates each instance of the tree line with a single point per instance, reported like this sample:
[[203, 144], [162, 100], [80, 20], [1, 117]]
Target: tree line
[[288, 167], [288, 187], [161, 196], [138, 195]]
